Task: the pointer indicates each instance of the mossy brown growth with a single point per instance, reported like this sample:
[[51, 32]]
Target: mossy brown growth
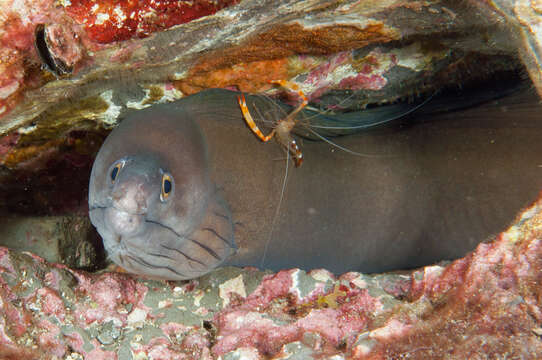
[[51, 178], [80, 246]]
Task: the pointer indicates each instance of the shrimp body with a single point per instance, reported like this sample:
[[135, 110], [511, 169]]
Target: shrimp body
[[283, 128]]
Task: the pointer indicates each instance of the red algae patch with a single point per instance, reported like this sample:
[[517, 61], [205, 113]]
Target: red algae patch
[[64, 35], [110, 20]]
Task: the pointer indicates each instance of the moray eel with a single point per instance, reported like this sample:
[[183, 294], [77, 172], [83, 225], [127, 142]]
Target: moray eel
[[426, 190], [152, 201]]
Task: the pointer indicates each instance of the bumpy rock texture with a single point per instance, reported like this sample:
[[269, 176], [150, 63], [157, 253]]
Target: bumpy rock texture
[[104, 59], [317, 43], [487, 304], [69, 69]]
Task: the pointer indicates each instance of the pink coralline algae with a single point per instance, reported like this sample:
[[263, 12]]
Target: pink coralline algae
[[487, 304], [16, 41], [345, 71], [20, 65]]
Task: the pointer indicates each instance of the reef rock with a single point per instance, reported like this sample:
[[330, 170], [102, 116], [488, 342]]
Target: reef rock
[[69, 64], [69, 70], [487, 304]]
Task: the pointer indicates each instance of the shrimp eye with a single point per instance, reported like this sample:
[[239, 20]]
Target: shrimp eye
[[115, 171], [167, 186]]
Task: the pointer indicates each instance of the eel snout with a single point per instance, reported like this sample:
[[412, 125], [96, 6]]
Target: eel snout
[[130, 197]]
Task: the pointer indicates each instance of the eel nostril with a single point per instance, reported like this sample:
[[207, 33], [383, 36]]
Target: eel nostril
[[118, 194]]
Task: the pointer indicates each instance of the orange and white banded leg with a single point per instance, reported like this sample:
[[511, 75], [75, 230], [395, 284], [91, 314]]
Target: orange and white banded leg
[[291, 86], [250, 121]]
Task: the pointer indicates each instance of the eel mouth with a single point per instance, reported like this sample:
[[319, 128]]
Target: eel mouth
[[118, 222], [152, 261], [124, 223]]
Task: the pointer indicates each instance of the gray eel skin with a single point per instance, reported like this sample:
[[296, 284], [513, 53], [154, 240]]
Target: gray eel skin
[[428, 190]]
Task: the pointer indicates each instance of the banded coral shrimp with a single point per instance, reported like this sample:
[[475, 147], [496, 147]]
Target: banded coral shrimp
[[282, 129]]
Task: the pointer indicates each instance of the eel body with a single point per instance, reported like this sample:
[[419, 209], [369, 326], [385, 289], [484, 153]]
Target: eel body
[[426, 191]]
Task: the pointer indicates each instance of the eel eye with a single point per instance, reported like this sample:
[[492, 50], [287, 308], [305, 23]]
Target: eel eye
[[115, 171], [167, 186]]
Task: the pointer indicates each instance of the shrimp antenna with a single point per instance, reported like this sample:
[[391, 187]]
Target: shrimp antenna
[[323, 138], [373, 124], [346, 150], [277, 212]]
